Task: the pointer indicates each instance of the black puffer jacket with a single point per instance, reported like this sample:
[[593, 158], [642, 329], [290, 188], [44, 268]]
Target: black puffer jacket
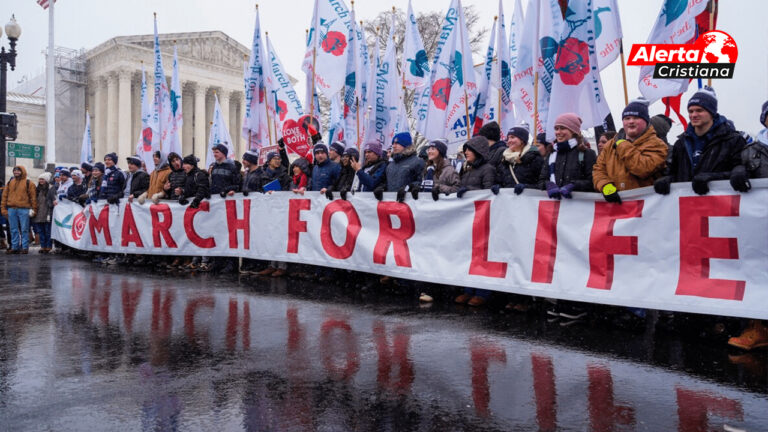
[[113, 184], [479, 174], [722, 152], [268, 175], [196, 185], [527, 170], [755, 159], [177, 179], [344, 182], [571, 166], [139, 182], [75, 193], [251, 181], [225, 177]]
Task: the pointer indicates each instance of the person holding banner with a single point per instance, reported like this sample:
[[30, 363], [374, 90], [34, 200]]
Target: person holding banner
[[158, 177], [492, 132], [335, 151], [225, 176], [197, 187], [137, 182], [439, 175], [346, 176], [94, 187], [76, 192], [176, 179], [113, 184], [274, 174], [709, 149], [370, 175], [477, 173], [300, 173], [325, 172], [569, 161], [252, 177], [521, 162], [404, 171]]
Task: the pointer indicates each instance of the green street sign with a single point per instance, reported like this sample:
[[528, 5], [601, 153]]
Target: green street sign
[[28, 151]]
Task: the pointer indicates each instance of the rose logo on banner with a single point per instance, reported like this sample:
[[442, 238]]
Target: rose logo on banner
[[146, 141], [441, 92], [78, 226], [333, 42]]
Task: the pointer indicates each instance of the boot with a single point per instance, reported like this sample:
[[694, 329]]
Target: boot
[[756, 336]]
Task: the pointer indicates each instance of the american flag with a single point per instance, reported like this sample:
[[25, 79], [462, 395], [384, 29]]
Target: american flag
[[44, 3]]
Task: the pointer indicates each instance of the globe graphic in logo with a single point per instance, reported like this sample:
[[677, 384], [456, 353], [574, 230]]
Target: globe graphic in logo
[[718, 47]]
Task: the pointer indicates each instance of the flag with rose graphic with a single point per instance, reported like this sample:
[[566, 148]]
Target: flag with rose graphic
[[149, 139], [328, 46]]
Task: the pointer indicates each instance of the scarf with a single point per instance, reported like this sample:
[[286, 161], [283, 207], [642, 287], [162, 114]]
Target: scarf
[[513, 158], [560, 147]]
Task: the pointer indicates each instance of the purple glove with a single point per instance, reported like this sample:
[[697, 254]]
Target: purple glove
[[519, 188], [566, 190], [553, 191]]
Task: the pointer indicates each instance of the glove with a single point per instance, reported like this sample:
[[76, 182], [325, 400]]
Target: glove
[[611, 194], [223, 194], [740, 179], [113, 200], [32, 213], [142, 198], [183, 201], [618, 142], [401, 194], [195, 203], [661, 185], [379, 193], [156, 197], [462, 190], [699, 183], [245, 193], [519, 188], [495, 189], [435, 194], [553, 191], [415, 192], [329, 194], [343, 194], [566, 190]]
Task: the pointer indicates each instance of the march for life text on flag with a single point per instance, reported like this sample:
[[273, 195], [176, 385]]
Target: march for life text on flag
[[697, 253], [355, 85], [162, 113], [255, 124], [86, 149], [676, 24], [219, 134], [327, 45], [415, 60], [576, 86], [607, 31], [387, 94], [484, 109], [149, 139], [285, 103], [501, 77], [175, 97], [515, 35]]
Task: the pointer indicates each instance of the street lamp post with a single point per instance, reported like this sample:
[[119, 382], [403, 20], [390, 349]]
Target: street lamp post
[[13, 31]]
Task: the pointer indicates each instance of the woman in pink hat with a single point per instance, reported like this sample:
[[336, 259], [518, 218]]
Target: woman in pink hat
[[568, 164]]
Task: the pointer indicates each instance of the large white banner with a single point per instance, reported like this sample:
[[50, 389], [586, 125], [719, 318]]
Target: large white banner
[[684, 252]]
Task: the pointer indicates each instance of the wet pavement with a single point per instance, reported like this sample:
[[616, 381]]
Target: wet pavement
[[85, 347]]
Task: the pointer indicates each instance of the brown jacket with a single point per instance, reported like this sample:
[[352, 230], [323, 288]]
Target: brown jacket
[[157, 179], [631, 165], [19, 193]]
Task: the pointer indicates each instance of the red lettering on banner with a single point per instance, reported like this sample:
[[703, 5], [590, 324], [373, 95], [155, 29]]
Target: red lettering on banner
[[351, 362], [396, 237], [234, 224], [189, 313], [481, 354], [295, 224], [694, 408], [161, 228], [481, 229], [245, 323], [130, 299], [603, 413], [100, 225], [189, 226], [603, 245], [353, 229], [130, 230], [697, 248], [544, 390], [545, 246], [397, 354]]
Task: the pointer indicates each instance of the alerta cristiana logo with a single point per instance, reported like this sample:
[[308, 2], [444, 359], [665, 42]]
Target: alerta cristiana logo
[[713, 55]]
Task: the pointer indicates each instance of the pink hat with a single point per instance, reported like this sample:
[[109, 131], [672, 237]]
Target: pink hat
[[570, 121]]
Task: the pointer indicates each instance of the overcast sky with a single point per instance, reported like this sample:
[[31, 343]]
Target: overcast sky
[[87, 23]]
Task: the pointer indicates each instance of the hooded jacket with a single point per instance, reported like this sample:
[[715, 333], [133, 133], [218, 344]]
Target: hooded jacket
[[158, 177], [444, 177], [479, 174], [526, 170], [404, 169], [573, 165], [631, 165], [137, 183], [45, 197], [306, 174], [19, 193], [755, 159], [721, 152], [196, 185]]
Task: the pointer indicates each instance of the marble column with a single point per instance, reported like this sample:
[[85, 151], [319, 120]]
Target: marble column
[[187, 105], [99, 113], [232, 124], [110, 143], [199, 120], [135, 109], [124, 146]]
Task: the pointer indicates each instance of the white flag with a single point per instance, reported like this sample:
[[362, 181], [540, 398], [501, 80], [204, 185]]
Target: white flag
[[607, 31], [484, 109], [177, 120], [463, 85], [219, 134], [370, 105], [327, 45], [149, 139], [86, 150], [550, 28], [576, 85], [255, 124], [676, 24], [284, 101], [387, 92], [163, 115], [415, 61], [515, 34], [501, 77], [336, 120], [353, 88]]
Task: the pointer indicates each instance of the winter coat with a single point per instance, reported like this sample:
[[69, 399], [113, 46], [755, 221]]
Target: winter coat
[[45, 197], [196, 185], [139, 183], [571, 166], [444, 177], [252, 179], [158, 178], [268, 175], [76, 191], [112, 184], [346, 177], [324, 175], [302, 180], [19, 193], [755, 159], [526, 171], [61, 191], [496, 153], [94, 189], [479, 174], [177, 179], [631, 165], [225, 177], [404, 170], [722, 150], [371, 175]]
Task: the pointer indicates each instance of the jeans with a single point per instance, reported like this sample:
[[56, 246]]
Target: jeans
[[18, 218], [43, 229]]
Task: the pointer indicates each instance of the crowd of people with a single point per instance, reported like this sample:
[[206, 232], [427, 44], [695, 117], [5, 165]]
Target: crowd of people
[[638, 155]]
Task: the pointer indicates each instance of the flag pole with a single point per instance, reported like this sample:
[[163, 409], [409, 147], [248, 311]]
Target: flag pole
[[50, 93], [623, 71], [466, 98], [314, 60], [357, 119], [536, 102], [711, 27], [266, 102]]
